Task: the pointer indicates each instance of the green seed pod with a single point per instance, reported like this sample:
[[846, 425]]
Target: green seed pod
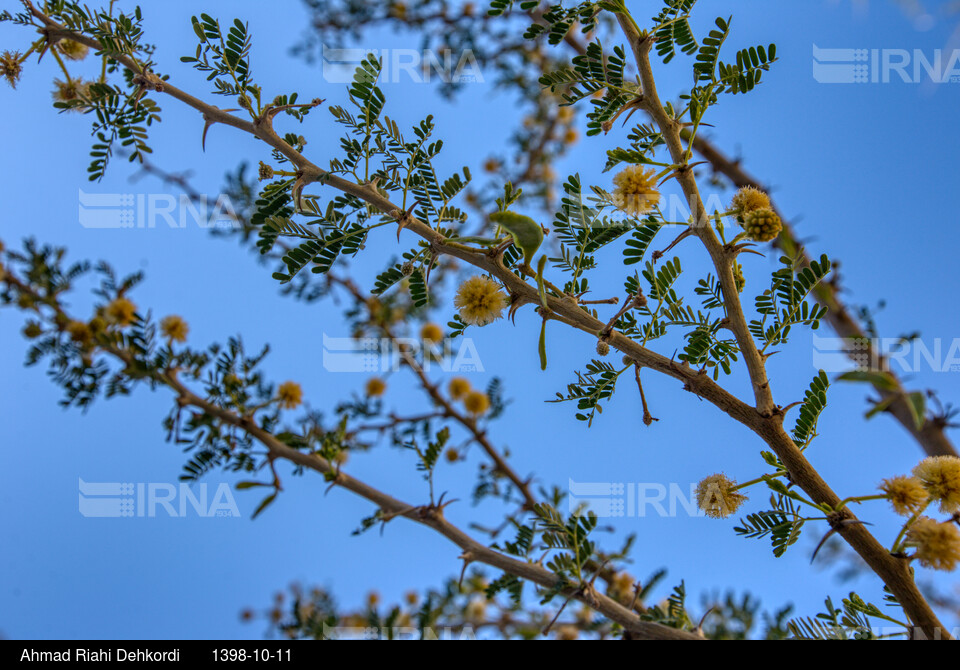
[[762, 225], [527, 233]]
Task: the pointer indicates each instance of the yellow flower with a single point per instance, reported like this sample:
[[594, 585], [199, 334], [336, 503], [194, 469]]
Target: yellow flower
[[621, 588], [716, 497], [79, 332], [67, 91], [940, 476], [906, 494], [491, 165], [458, 388], [412, 597], [32, 330], [73, 50], [431, 333], [738, 278], [938, 544], [475, 610], [373, 598], [376, 387], [570, 136], [10, 67], [565, 114], [480, 300], [97, 325], [762, 225], [120, 312], [174, 328], [748, 199], [452, 455], [290, 395], [568, 632], [476, 402], [636, 190], [265, 172]]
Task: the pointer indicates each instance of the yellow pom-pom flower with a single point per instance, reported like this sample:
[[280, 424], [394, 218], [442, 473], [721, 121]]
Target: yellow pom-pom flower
[[290, 395], [906, 494], [80, 333], [10, 68], [636, 190], [762, 225], [376, 387], [458, 388], [120, 312], [431, 333], [174, 328], [73, 50], [938, 544], [738, 279], [67, 91], [476, 402], [940, 476], [717, 498], [748, 199], [480, 301], [475, 610], [32, 330]]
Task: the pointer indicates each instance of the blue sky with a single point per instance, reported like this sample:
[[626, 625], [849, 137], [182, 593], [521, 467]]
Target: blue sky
[[867, 172]]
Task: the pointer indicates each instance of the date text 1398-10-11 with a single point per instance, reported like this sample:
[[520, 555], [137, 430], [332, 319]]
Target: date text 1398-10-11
[[264, 654]]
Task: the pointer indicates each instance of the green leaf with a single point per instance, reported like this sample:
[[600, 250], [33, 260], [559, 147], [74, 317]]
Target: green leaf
[[880, 379], [917, 404], [264, 504], [543, 345], [249, 485]]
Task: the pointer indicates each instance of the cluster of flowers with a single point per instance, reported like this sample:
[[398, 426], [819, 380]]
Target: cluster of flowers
[[935, 479]]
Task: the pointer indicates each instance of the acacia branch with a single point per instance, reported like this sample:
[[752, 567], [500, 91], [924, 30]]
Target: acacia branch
[[767, 419], [931, 436], [390, 507]]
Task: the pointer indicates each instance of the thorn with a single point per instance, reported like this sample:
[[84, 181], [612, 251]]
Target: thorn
[[298, 186], [467, 557], [403, 217], [686, 233], [704, 618], [372, 185], [516, 302], [206, 126], [836, 528]]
